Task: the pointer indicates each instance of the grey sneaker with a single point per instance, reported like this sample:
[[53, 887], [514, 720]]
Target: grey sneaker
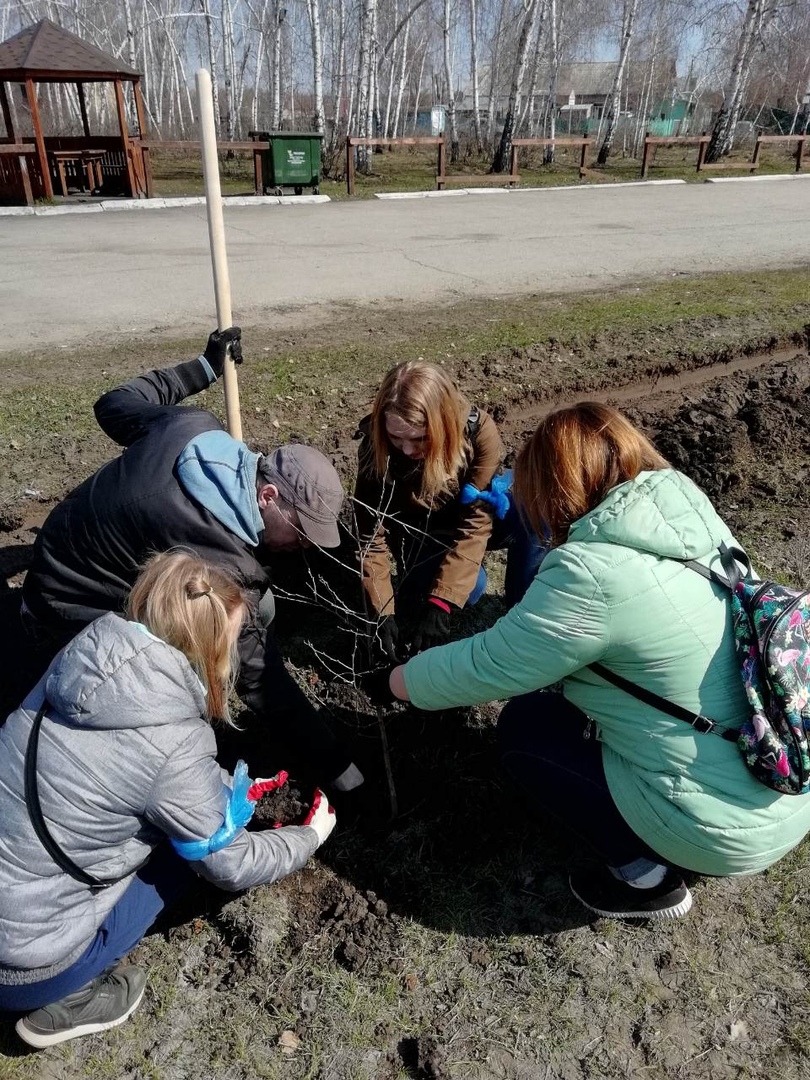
[[104, 1003]]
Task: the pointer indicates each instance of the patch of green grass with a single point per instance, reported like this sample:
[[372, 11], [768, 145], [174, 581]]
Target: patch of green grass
[[778, 299], [313, 382]]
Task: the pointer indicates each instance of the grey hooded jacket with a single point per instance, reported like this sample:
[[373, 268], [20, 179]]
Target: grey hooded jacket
[[125, 759]]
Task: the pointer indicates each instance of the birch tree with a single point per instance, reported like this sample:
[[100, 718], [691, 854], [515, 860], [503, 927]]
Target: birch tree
[[279, 14], [629, 11], [227, 67], [801, 119], [313, 8], [494, 72], [448, 81], [555, 17], [503, 153], [527, 118], [365, 102], [209, 35], [476, 99], [755, 16], [401, 83]]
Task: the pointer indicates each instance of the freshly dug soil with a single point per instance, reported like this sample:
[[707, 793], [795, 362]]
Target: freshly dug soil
[[460, 871]]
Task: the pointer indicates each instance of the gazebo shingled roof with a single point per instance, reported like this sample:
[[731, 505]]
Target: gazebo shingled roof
[[46, 52]]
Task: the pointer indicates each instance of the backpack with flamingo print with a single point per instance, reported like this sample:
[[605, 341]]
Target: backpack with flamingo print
[[772, 635]]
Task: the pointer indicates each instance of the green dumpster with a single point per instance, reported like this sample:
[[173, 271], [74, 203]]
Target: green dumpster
[[293, 160]]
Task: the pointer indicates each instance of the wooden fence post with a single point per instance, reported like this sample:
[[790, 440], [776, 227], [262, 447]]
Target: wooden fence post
[[582, 159], [757, 147], [258, 176], [349, 166], [645, 155], [799, 153], [702, 148]]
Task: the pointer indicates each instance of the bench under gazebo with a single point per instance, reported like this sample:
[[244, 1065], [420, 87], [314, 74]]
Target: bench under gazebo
[[40, 165]]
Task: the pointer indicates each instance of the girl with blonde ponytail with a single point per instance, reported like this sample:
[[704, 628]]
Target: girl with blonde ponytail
[[125, 802]]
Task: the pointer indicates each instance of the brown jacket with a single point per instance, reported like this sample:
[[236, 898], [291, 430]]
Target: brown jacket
[[464, 530]]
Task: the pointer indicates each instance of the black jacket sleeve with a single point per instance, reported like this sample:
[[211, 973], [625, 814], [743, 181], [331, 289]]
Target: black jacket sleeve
[[129, 411]]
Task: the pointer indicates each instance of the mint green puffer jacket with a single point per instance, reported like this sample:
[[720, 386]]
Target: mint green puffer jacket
[[614, 593]]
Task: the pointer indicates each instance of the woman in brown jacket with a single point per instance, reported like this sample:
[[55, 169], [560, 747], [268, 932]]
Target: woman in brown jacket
[[424, 495]]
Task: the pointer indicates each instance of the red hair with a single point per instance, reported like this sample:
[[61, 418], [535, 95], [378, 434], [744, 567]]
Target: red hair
[[571, 462]]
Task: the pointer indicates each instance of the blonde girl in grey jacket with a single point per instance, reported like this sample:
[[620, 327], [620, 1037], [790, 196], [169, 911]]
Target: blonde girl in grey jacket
[[125, 761]]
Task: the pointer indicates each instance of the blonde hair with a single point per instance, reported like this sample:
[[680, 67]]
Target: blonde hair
[[189, 603], [423, 395], [571, 462]]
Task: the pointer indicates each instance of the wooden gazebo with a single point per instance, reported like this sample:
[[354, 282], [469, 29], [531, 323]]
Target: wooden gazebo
[[108, 165]]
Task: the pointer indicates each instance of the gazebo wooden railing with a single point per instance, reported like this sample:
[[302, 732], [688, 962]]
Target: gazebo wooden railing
[[14, 172]]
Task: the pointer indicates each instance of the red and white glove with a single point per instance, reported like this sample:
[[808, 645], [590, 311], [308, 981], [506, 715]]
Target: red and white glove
[[262, 786], [321, 817]]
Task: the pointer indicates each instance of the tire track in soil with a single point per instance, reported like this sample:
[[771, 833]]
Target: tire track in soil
[[646, 392]]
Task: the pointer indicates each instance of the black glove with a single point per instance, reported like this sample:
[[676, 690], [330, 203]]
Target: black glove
[[221, 344], [376, 686], [386, 638], [434, 626]]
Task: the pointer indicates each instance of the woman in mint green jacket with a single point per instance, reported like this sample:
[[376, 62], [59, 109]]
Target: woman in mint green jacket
[[647, 791]]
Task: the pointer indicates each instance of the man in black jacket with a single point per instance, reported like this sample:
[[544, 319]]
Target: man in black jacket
[[184, 481]]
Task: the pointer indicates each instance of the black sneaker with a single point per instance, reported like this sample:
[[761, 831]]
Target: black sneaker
[[611, 898], [104, 1003]]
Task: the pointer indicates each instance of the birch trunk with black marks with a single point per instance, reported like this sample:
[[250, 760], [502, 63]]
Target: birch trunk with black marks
[[403, 71], [504, 151], [555, 14], [448, 80], [629, 12], [722, 138], [313, 8], [528, 121], [209, 36], [227, 68], [364, 82], [275, 109], [130, 32], [477, 133]]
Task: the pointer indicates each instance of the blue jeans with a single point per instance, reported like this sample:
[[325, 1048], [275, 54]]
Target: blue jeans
[[420, 558], [158, 885], [559, 771]]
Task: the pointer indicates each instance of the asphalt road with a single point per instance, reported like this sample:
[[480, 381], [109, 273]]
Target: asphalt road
[[76, 278]]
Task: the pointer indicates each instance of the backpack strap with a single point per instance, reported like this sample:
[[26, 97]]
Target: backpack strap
[[35, 811], [698, 721], [473, 425], [729, 558]]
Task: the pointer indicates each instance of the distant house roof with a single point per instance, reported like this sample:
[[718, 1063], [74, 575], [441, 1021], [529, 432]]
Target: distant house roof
[[46, 52], [595, 79], [586, 79]]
